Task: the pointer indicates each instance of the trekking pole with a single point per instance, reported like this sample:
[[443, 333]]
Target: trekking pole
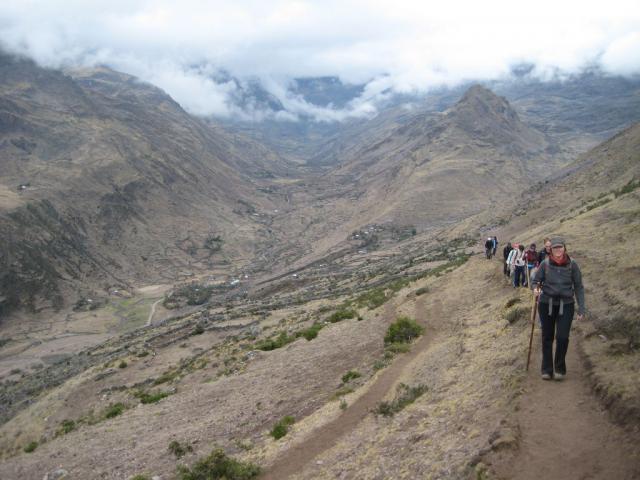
[[534, 310]]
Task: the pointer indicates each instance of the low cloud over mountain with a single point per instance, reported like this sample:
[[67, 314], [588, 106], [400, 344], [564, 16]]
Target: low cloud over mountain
[[209, 55]]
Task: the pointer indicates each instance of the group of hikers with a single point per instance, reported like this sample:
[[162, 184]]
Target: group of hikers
[[556, 282]]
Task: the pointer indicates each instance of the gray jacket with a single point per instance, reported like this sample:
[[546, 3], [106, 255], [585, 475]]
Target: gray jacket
[[560, 283]]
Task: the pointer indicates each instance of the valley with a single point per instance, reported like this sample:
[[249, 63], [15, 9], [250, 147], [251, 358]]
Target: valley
[[171, 285]]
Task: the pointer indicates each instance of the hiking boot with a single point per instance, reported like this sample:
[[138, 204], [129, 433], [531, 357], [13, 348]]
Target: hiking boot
[[560, 376], [546, 376]]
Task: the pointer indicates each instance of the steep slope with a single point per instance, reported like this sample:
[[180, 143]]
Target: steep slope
[[447, 167], [105, 180]]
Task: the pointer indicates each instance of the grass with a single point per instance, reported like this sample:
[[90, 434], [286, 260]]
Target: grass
[[372, 299], [311, 332], [350, 375], [397, 347], [512, 301], [342, 314], [403, 330], [114, 410], [166, 377], [281, 428], [512, 315], [140, 477], [218, 466], [280, 341], [421, 291], [30, 447], [146, 397], [67, 426], [179, 450], [122, 364], [404, 396]]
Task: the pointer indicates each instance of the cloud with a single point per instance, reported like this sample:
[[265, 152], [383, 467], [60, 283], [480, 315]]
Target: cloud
[[389, 46]]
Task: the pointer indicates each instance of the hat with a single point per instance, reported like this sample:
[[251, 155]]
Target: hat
[[557, 242]]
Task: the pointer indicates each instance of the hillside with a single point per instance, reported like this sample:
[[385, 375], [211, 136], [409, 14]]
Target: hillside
[[226, 374], [106, 182]]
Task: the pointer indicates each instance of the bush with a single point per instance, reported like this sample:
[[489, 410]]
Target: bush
[[421, 291], [342, 314], [30, 447], [311, 332], [67, 426], [178, 450], [403, 330], [275, 343], [405, 396], [166, 377], [218, 466], [372, 299], [350, 375], [122, 364], [140, 477], [199, 330], [147, 398], [114, 410], [281, 428]]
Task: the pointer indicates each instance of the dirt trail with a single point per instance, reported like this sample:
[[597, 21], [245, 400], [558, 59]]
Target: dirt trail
[[565, 433], [153, 311], [294, 459]]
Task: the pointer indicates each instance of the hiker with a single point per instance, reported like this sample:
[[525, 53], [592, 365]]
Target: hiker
[[512, 268], [545, 251], [495, 245], [556, 282], [488, 247], [505, 253], [531, 258], [517, 262]]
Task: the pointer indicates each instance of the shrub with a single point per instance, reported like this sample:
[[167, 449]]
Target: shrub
[[421, 291], [342, 314], [281, 428], [140, 477], [199, 330], [30, 447], [218, 466], [403, 330], [166, 377], [146, 397], [404, 396], [275, 343], [122, 364], [372, 299], [311, 332], [178, 450], [114, 410], [350, 375], [67, 426]]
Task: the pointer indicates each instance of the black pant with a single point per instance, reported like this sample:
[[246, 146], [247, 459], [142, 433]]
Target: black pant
[[519, 277], [560, 325]]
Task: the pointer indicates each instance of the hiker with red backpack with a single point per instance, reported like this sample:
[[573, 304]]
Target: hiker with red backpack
[[557, 281]]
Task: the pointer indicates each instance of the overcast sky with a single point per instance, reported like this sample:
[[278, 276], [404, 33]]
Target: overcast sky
[[389, 45]]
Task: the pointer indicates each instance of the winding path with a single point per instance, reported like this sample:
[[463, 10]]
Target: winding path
[[294, 459]]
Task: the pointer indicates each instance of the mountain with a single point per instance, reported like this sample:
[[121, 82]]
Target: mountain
[[444, 167], [106, 181]]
